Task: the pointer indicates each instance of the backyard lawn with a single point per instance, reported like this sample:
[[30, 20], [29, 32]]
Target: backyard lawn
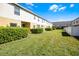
[[49, 43]]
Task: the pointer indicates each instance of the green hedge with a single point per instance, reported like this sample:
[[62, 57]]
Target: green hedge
[[48, 29], [53, 27], [8, 34], [36, 31]]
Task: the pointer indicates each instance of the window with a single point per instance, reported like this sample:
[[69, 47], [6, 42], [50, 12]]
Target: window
[[38, 26], [76, 21], [38, 19], [42, 21], [41, 25], [16, 10], [48, 26], [45, 21], [13, 24], [73, 22], [34, 26], [34, 17], [23, 25]]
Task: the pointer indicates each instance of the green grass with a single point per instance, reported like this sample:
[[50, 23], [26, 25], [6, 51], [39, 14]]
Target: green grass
[[49, 43]]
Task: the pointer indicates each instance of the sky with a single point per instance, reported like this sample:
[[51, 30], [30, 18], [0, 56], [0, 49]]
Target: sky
[[54, 11]]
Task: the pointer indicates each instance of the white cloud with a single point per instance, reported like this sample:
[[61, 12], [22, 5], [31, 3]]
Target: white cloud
[[31, 4], [62, 8], [72, 5], [54, 8]]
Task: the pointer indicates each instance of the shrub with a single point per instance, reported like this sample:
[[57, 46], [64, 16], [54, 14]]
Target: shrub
[[53, 27], [36, 31], [8, 34], [59, 27], [48, 29]]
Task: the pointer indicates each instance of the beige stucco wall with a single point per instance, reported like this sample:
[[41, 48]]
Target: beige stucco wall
[[6, 21], [7, 16]]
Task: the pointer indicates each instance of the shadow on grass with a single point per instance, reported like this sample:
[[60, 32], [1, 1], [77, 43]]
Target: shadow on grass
[[65, 34], [77, 37]]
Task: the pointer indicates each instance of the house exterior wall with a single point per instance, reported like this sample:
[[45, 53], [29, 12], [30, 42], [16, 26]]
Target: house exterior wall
[[7, 14], [68, 30], [6, 22], [75, 22], [62, 23], [74, 30], [7, 11]]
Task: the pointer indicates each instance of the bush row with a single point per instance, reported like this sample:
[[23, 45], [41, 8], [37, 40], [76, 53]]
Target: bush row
[[55, 27], [40, 30], [48, 29], [37, 30], [8, 34]]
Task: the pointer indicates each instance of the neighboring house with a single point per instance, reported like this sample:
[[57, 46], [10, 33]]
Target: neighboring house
[[75, 22], [62, 24], [74, 28], [13, 15]]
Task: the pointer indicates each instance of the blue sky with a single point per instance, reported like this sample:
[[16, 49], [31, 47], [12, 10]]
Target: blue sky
[[54, 11]]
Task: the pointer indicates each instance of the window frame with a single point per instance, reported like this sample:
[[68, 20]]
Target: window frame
[[34, 17], [16, 10], [38, 20], [13, 24]]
